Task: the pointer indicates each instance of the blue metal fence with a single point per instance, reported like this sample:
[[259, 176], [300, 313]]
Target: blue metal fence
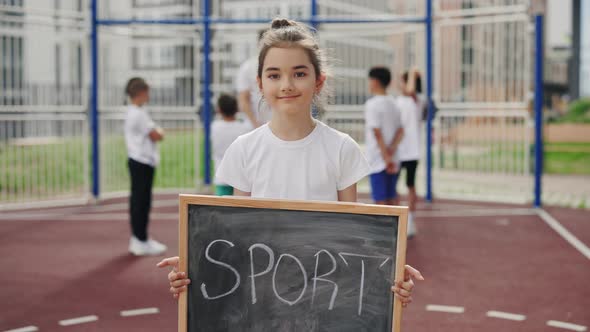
[[206, 22]]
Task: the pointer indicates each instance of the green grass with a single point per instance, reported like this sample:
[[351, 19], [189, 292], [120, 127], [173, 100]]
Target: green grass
[[36, 168], [57, 168], [567, 158], [559, 158], [578, 112], [481, 158], [176, 168]]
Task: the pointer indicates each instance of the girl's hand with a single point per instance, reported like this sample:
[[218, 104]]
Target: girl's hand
[[178, 280], [403, 290]]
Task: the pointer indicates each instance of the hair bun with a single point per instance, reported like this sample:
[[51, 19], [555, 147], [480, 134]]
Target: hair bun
[[279, 23]]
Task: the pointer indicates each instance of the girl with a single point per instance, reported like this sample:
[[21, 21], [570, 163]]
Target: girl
[[411, 107], [293, 156]]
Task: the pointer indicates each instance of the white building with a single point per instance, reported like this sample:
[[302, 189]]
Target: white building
[[584, 49]]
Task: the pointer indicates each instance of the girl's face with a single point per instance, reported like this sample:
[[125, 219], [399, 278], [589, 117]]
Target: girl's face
[[288, 81]]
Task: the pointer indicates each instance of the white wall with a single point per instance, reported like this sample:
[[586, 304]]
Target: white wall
[[41, 38], [559, 23]]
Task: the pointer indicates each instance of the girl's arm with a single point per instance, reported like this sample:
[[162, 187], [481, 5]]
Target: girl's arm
[[244, 105], [348, 194]]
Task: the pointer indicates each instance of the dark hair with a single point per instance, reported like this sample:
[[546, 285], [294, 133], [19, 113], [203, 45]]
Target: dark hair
[[228, 105], [381, 74], [417, 81], [136, 85]]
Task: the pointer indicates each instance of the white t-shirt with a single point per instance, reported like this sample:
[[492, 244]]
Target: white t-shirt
[[246, 81], [140, 147], [380, 112], [409, 147], [313, 168], [223, 134]]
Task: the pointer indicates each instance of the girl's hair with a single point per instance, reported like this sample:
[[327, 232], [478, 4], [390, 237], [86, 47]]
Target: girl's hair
[[286, 33], [136, 85]]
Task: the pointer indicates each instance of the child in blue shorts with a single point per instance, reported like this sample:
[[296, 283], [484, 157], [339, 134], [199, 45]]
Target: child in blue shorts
[[383, 133]]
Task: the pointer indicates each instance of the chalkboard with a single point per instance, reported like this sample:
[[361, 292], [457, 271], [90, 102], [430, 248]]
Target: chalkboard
[[275, 265]]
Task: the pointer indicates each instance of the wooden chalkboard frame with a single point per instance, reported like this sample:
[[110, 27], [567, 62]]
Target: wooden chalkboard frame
[[247, 202]]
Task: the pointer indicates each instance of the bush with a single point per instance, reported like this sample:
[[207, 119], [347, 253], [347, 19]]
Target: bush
[[578, 112]]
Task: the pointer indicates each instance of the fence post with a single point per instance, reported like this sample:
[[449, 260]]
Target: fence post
[[94, 100], [538, 108], [207, 88], [314, 14], [429, 100]]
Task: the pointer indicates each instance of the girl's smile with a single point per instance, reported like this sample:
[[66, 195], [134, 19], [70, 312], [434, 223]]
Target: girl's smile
[[287, 98]]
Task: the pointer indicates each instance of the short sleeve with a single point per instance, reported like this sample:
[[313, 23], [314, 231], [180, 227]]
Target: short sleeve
[[353, 165], [401, 106], [138, 123], [373, 116], [147, 124], [397, 114], [232, 169]]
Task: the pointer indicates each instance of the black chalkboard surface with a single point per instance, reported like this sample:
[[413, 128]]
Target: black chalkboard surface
[[275, 265]]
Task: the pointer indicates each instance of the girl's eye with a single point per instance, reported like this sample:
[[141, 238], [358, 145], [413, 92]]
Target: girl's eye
[[273, 76], [300, 74]]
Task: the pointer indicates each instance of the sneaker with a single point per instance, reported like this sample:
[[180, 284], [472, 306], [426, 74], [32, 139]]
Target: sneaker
[[156, 247], [145, 248], [411, 226]]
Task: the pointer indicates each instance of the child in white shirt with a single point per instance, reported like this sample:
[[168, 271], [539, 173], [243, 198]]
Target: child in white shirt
[[141, 137], [383, 132], [224, 132]]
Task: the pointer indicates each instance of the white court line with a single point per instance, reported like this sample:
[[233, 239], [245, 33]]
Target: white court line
[[566, 326], [83, 216], [83, 211], [445, 308], [138, 312], [24, 329], [475, 213], [564, 233], [78, 320], [117, 216], [505, 315]]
